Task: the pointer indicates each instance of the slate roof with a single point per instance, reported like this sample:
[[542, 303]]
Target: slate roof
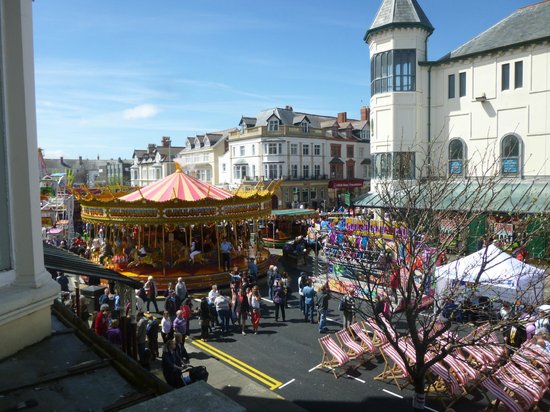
[[399, 13], [288, 116], [525, 25]]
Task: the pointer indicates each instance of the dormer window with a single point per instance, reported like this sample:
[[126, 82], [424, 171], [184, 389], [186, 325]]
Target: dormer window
[[273, 125], [305, 126]]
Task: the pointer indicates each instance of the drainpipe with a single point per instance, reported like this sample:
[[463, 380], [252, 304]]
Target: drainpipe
[[429, 119]]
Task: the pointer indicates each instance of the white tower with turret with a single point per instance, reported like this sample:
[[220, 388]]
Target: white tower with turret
[[399, 122]]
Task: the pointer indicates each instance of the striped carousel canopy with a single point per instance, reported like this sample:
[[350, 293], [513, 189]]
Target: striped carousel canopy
[[180, 186]]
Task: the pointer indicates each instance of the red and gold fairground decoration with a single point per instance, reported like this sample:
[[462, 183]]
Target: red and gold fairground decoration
[[174, 227]]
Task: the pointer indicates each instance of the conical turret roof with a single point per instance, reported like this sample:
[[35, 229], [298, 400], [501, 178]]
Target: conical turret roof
[[399, 13]]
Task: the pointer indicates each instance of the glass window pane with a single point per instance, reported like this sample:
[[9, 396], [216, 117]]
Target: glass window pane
[[505, 76], [518, 74]]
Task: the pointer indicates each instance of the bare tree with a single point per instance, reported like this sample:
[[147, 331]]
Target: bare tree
[[420, 329]]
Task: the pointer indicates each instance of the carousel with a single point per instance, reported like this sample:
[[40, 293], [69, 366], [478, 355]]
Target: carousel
[[285, 225], [174, 227]]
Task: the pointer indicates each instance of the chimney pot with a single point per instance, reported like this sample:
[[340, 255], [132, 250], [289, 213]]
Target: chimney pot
[[365, 113], [342, 117]]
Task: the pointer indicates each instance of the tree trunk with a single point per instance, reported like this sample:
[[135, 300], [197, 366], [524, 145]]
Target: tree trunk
[[419, 397]]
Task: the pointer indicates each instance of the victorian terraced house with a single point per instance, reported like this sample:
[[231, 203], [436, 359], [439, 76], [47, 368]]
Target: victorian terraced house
[[320, 158]]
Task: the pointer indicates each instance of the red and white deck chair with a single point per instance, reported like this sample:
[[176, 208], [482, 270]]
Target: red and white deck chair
[[529, 358], [365, 340], [537, 355], [523, 396], [466, 376], [394, 366], [502, 395], [354, 350], [379, 337], [333, 355], [530, 383]]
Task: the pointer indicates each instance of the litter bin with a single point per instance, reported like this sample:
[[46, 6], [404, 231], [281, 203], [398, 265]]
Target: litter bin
[[93, 293]]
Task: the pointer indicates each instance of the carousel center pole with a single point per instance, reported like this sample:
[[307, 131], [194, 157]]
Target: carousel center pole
[[218, 243], [163, 254]]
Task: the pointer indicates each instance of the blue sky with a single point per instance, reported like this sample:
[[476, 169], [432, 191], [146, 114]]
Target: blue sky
[[115, 75]]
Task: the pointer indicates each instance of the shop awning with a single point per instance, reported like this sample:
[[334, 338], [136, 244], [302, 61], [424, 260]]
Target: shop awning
[[294, 213], [508, 197], [64, 261], [345, 184]]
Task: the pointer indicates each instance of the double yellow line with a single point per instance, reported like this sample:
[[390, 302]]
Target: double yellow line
[[271, 383]]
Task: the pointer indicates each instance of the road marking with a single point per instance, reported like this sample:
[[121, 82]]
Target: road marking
[[288, 383], [334, 321], [357, 379], [430, 409], [243, 367], [391, 393], [315, 367]]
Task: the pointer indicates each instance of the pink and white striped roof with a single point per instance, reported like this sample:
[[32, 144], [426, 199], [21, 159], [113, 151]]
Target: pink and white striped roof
[[178, 186]]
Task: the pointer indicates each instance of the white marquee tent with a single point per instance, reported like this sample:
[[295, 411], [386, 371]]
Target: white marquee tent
[[502, 277]]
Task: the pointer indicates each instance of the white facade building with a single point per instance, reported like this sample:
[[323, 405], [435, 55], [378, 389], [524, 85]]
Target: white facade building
[[26, 288], [318, 157], [484, 108], [153, 164]]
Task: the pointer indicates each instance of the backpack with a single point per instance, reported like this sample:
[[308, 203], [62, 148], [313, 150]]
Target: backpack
[[142, 294], [198, 373]]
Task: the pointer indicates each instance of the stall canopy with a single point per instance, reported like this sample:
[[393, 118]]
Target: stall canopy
[[501, 276], [61, 260]]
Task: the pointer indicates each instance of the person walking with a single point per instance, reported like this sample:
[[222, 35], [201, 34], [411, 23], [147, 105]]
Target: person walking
[[151, 293], [204, 318], [244, 308], [222, 307], [63, 281], [212, 295], [101, 323], [322, 307], [152, 332], [349, 308], [186, 310], [279, 300], [302, 282], [285, 284], [181, 292], [166, 331], [309, 296], [141, 335], [226, 248], [271, 280], [179, 323], [255, 316]]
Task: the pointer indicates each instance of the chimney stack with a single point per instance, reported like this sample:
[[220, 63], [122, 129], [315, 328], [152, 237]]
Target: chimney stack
[[342, 117], [365, 113], [166, 141], [151, 148]]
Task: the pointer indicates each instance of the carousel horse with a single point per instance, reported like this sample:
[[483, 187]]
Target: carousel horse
[[183, 256], [138, 260]]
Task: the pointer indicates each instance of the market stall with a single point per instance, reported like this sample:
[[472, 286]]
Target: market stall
[[494, 274]]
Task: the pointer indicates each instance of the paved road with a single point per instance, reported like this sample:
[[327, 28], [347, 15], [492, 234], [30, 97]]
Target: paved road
[[283, 356]]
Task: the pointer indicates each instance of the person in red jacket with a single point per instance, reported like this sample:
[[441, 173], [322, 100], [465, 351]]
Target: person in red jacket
[[394, 282], [102, 321]]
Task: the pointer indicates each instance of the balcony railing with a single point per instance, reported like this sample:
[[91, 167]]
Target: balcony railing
[[262, 131]]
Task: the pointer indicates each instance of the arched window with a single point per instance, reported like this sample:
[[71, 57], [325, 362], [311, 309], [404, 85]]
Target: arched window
[[510, 155], [456, 157]]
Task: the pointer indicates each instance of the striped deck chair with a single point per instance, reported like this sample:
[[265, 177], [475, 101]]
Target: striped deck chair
[[521, 395], [522, 358], [477, 356], [538, 360], [527, 367], [536, 389], [354, 350], [333, 355], [463, 371], [501, 395], [445, 377], [366, 341], [379, 337], [394, 367]]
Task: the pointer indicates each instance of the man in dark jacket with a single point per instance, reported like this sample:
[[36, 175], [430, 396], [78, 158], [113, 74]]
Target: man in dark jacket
[[322, 307]]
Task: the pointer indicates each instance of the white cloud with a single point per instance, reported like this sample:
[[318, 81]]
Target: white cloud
[[142, 111]]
